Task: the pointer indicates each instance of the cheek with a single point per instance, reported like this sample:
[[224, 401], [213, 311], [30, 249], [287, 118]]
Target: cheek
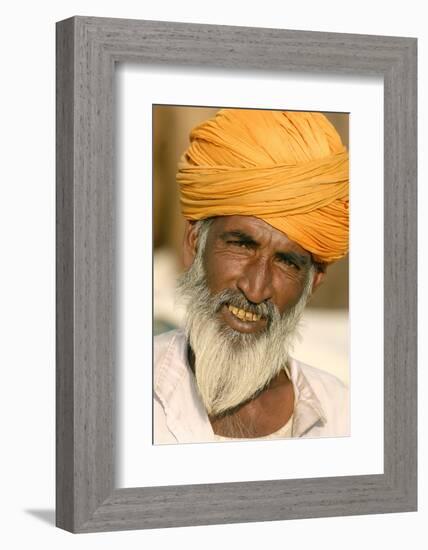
[[223, 272], [288, 291]]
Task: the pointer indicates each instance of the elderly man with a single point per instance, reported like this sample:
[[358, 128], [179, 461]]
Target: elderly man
[[265, 198]]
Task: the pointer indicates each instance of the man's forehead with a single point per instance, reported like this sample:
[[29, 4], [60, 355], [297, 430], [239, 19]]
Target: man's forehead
[[257, 229]]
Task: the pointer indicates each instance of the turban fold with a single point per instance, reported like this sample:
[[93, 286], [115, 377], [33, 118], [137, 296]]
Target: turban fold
[[290, 169]]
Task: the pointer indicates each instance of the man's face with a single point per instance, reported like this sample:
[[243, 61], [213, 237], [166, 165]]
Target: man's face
[[246, 286], [246, 255]]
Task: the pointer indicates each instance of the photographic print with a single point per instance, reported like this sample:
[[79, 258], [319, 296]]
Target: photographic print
[[251, 240]]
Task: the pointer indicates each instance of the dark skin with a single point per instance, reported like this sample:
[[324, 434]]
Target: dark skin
[[246, 254]]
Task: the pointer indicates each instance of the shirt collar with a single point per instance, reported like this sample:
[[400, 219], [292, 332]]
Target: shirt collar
[[175, 386], [307, 407]]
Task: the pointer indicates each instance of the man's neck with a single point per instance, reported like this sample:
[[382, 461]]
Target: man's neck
[[264, 414]]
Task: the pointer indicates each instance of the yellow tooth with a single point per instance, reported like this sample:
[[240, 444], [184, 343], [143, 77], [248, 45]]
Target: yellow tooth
[[234, 310], [243, 315]]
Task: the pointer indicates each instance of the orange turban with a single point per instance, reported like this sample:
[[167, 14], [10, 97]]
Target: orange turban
[[289, 169]]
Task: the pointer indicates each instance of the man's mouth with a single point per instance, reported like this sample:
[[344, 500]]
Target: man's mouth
[[242, 314], [242, 320]]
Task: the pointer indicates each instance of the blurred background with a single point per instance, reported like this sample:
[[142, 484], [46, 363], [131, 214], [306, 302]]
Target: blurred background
[[324, 334]]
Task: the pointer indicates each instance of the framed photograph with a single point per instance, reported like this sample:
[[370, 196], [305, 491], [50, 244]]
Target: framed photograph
[[129, 93]]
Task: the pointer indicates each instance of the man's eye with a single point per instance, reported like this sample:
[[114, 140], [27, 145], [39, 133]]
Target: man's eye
[[240, 244], [288, 261]]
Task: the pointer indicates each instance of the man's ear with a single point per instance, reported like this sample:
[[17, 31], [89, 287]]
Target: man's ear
[[189, 243], [318, 278]]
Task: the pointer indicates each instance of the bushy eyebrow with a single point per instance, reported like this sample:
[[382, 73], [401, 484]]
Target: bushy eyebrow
[[299, 259]]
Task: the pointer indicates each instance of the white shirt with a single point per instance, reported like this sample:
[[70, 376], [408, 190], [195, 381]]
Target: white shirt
[[321, 405]]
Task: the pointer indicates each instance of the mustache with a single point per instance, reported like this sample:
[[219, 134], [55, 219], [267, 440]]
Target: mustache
[[237, 299]]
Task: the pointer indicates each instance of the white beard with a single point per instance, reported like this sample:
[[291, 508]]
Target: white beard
[[232, 367]]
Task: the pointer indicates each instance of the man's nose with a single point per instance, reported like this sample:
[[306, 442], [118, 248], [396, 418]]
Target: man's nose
[[256, 281]]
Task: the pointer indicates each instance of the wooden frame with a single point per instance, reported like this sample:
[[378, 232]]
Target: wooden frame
[[87, 50]]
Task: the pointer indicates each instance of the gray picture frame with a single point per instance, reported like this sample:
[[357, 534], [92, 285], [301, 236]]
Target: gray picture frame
[[87, 51]]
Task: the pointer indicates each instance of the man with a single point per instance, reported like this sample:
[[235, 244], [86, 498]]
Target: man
[[265, 197]]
